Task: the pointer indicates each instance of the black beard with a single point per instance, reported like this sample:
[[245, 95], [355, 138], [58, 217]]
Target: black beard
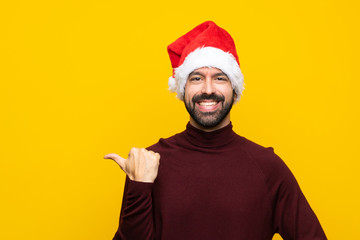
[[209, 119]]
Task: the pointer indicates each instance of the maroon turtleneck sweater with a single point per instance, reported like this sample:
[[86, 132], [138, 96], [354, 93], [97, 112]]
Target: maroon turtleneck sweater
[[216, 185]]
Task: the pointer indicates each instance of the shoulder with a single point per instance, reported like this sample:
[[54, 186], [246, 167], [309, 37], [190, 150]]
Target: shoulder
[[276, 174], [164, 144], [267, 161]]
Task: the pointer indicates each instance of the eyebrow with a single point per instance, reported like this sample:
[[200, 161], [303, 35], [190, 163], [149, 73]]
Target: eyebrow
[[220, 74], [215, 75], [195, 73]]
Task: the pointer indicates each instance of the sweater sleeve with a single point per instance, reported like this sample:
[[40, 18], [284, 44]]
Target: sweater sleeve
[[136, 217], [294, 219]]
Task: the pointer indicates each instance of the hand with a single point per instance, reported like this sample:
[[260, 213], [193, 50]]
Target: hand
[[141, 166]]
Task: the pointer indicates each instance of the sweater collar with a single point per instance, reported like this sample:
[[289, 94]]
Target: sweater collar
[[214, 139]]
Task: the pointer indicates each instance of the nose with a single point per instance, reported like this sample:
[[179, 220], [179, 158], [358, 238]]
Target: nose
[[208, 87]]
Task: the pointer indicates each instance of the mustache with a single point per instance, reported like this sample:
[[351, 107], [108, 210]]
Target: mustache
[[204, 96]]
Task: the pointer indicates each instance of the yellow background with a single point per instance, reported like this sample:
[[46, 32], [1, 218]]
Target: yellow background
[[79, 79]]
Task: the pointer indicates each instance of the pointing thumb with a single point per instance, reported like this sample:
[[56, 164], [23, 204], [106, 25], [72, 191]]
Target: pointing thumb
[[119, 160]]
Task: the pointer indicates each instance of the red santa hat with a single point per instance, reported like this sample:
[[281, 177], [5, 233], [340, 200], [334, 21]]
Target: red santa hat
[[207, 45]]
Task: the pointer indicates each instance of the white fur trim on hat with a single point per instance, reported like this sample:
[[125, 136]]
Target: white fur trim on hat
[[208, 57]]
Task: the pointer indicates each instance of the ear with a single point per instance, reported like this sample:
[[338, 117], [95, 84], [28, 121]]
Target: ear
[[234, 96]]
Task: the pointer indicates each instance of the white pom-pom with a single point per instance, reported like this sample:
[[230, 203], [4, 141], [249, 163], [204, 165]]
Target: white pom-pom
[[172, 84]]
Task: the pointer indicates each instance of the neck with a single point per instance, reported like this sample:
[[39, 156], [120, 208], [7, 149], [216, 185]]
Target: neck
[[223, 123]]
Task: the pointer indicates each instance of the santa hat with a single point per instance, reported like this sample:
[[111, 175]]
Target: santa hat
[[207, 45]]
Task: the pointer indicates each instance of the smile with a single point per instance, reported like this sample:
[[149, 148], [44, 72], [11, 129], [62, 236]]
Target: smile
[[207, 106], [207, 103]]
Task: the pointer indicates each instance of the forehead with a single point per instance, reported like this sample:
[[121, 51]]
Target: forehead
[[207, 70]]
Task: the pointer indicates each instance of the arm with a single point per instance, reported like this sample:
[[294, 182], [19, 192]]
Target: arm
[[294, 218], [136, 217]]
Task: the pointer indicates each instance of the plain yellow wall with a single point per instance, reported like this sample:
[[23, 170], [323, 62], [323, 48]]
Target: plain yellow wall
[[79, 79]]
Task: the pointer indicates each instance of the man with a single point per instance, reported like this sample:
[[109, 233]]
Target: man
[[210, 182]]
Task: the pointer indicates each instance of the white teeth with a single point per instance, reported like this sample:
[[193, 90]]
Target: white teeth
[[207, 103]]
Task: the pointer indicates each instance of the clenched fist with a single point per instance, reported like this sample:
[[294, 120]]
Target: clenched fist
[[141, 166]]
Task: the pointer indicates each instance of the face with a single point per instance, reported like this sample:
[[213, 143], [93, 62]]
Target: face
[[208, 98]]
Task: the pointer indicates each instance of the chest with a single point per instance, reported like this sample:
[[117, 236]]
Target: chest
[[224, 185]]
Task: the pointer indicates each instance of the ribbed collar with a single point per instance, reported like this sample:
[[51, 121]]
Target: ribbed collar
[[214, 139]]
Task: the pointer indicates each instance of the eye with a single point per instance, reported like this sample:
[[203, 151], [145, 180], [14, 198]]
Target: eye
[[221, 79], [195, 79]]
